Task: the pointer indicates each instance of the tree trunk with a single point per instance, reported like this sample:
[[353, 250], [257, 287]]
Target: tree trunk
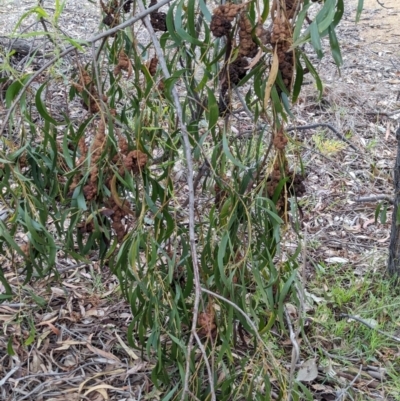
[[394, 247]]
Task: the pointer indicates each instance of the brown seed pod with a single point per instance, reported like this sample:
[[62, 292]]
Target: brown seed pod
[[220, 26], [152, 66], [237, 70], [206, 323], [123, 64], [158, 19], [134, 161], [280, 140], [222, 18]]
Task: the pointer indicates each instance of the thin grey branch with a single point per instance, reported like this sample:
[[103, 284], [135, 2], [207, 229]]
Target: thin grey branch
[[356, 318], [374, 198], [189, 162]]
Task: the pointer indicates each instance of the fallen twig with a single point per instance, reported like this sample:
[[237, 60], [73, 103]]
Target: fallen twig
[[397, 339], [8, 375], [383, 113], [383, 6], [374, 198], [249, 321], [295, 352], [342, 393], [326, 125]]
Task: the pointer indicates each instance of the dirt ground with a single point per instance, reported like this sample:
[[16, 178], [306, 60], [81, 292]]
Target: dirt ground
[[381, 23]]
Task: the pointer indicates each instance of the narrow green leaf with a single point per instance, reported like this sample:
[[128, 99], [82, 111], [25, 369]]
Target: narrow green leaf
[[286, 104], [213, 111], [298, 83], [228, 153], [282, 296], [191, 18], [10, 349], [335, 47], [205, 11], [300, 22], [171, 27], [14, 89], [316, 40], [42, 108], [265, 11], [339, 14], [360, 7], [6, 235], [326, 21], [185, 36], [314, 73]]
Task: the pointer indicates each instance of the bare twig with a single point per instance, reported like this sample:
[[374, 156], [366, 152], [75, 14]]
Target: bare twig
[[8, 375], [326, 125], [244, 105], [295, 352], [383, 113], [203, 171], [246, 316], [383, 6], [342, 393], [70, 49], [374, 198], [207, 363], [356, 318], [189, 163]]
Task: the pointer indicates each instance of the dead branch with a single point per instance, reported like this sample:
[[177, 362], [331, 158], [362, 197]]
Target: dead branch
[[374, 198], [326, 125], [356, 318]]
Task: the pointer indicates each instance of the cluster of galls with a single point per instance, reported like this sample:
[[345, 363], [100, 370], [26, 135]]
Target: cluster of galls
[[281, 38], [152, 67], [124, 64], [113, 9], [126, 160], [158, 19], [221, 25], [222, 17], [295, 182], [86, 85]]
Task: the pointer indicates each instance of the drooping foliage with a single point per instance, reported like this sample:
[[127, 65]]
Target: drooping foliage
[[102, 174]]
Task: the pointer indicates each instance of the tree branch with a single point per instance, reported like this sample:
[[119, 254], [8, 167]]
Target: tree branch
[[189, 162]]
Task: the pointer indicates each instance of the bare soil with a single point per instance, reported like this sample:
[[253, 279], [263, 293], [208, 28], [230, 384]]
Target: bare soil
[[381, 23]]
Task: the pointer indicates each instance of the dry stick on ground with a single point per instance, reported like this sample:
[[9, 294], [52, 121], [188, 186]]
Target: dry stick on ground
[[394, 338], [326, 125], [342, 394], [383, 113], [374, 198], [383, 5], [70, 49], [192, 237]]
